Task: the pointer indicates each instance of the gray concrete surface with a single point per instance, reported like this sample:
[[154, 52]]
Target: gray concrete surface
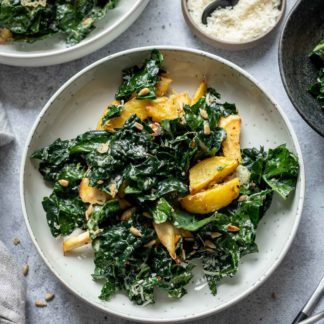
[[24, 91]]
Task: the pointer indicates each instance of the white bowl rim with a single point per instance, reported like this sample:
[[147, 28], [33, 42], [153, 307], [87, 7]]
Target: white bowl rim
[[292, 133], [88, 41]]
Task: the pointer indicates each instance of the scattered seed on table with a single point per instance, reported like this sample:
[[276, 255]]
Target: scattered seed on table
[[25, 269], [49, 296], [40, 303], [16, 241]]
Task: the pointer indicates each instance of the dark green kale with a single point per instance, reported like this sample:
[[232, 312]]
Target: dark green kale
[[64, 214], [317, 89], [75, 20], [124, 262], [276, 169], [137, 78], [281, 171], [113, 111], [317, 57]]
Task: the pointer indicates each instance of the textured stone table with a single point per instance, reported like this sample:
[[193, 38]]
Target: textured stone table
[[24, 91]]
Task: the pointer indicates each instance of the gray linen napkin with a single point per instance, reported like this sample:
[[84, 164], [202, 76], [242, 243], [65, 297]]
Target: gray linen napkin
[[12, 287], [6, 135], [12, 290]]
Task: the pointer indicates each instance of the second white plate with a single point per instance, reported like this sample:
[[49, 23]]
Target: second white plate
[[55, 51]]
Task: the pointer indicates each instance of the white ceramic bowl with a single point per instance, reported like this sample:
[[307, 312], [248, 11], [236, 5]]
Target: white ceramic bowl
[[55, 51], [77, 106]]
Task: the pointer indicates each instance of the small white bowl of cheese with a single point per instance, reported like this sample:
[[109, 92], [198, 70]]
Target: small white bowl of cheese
[[239, 27]]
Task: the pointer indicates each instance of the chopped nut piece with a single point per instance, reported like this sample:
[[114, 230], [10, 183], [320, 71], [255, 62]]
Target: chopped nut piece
[[210, 250], [151, 243], [232, 228], [127, 214], [206, 128], [103, 148], [100, 182], [49, 296], [203, 113], [135, 231], [144, 92], [138, 126], [242, 198], [210, 244], [25, 269], [156, 127], [63, 182], [87, 22], [40, 303], [113, 190], [89, 212], [215, 234], [16, 241]]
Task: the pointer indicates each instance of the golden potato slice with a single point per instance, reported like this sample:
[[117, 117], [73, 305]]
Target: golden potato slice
[[92, 195], [132, 107], [99, 124], [200, 92], [76, 242], [163, 86], [210, 171], [167, 108], [212, 199], [168, 236], [231, 146]]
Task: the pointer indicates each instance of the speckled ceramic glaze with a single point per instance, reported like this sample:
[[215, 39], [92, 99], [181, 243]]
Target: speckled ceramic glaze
[[303, 30], [55, 51], [76, 108]]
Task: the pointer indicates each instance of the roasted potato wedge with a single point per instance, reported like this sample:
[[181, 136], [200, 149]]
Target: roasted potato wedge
[[163, 86], [132, 107], [167, 108], [168, 236], [210, 171], [92, 195], [76, 242], [200, 92], [231, 146], [212, 199]]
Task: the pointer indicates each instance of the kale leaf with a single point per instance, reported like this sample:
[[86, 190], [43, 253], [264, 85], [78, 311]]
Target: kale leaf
[[317, 57], [136, 79], [281, 171], [64, 214]]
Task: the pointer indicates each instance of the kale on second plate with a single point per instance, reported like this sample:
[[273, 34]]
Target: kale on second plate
[[142, 236], [317, 57], [28, 20]]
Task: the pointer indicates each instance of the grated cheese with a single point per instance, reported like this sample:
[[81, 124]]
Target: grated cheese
[[243, 22]]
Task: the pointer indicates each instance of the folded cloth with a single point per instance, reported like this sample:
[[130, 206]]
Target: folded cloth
[[12, 290], [6, 135]]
